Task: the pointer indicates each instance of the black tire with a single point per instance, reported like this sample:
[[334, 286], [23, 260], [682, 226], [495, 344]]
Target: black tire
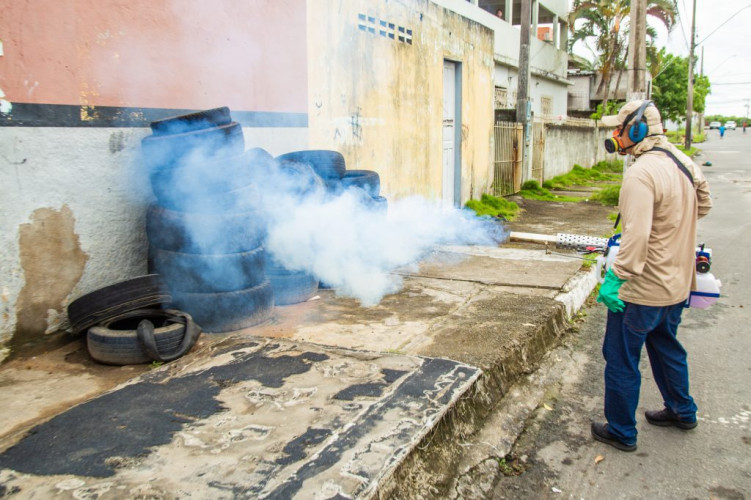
[[290, 287], [114, 300], [168, 151], [210, 273], [192, 121], [368, 180], [298, 178], [327, 164], [229, 311], [178, 187], [115, 342], [379, 204], [204, 232], [293, 288]]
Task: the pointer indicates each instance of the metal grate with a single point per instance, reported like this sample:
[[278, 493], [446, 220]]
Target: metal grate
[[538, 155], [546, 103], [580, 242], [501, 98], [386, 29], [507, 163]]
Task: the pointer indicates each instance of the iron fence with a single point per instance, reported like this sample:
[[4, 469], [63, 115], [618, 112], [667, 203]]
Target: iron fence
[[538, 152], [507, 163]]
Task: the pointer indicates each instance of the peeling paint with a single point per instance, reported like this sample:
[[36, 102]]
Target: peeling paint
[[52, 262], [5, 106]]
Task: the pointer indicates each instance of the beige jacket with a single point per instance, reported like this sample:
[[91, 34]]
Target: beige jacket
[[659, 209]]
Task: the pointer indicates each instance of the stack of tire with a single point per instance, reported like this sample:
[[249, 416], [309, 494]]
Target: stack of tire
[[126, 323], [331, 167], [290, 286], [205, 236]]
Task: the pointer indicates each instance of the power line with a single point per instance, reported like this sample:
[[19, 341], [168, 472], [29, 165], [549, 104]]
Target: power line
[[724, 23], [680, 21]]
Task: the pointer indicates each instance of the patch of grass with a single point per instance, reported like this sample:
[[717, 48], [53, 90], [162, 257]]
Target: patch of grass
[[494, 207], [617, 229], [589, 260], [532, 190], [612, 166], [679, 136], [691, 152], [579, 176], [511, 466], [608, 196]]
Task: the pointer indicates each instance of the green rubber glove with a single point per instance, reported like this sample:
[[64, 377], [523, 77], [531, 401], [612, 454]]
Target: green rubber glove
[[609, 292]]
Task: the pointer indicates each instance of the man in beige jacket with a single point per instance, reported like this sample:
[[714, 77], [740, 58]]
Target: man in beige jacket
[[662, 196]]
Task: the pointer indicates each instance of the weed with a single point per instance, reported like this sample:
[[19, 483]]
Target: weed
[[510, 466], [156, 364], [690, 153], [617, 229], [494, 206], [533, 191], [608, 196], [613, 166], [580, 176], [589, 260]]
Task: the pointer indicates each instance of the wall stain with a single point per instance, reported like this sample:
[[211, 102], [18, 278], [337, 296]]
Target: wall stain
[[117, 142], [52, 262]]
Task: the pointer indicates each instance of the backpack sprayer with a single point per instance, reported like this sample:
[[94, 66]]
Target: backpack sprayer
[[707, 286]]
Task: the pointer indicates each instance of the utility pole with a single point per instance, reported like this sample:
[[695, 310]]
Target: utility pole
[[700, 119], [523, 104], [637, 52], [690, 103]]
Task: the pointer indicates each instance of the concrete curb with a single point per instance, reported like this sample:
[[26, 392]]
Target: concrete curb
[[576, 290], [438, 466]]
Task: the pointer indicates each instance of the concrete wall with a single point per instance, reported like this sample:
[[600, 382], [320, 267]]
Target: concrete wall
[[567, 145], [82, 80], [379, 100], [548, 64]]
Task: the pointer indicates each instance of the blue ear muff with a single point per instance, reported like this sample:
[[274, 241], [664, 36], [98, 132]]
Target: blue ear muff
[[638, 130]]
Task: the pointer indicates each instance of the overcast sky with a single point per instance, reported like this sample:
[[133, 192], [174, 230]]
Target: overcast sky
[[727, 58]]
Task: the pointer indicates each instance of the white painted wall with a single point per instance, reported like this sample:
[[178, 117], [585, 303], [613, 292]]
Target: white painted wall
[[568, 145], [97, 173]]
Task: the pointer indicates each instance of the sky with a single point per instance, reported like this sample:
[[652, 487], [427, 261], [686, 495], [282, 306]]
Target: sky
[[722, 29]]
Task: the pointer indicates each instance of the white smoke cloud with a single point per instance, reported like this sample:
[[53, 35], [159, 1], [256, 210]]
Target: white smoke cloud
[[354, 248], [342, 237]]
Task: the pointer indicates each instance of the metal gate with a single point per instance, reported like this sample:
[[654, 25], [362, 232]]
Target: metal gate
[[507, 163], [538, 152]]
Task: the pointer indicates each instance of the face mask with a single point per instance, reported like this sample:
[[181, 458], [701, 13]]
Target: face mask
[[615, 144]]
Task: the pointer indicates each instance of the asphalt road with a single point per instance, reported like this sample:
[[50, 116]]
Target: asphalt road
[[555, 457]]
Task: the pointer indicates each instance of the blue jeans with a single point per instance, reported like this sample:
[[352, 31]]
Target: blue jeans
[[625, 334]]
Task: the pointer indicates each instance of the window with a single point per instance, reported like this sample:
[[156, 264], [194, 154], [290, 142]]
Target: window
[[546, 103], [501, 98]]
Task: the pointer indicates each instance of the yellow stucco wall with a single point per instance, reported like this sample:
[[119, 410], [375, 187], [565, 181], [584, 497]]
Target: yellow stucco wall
[[378, 100]]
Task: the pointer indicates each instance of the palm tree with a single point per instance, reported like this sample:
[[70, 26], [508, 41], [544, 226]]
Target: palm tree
[[607, 22]]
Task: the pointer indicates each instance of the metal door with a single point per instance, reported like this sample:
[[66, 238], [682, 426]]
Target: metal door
[[451, 128]]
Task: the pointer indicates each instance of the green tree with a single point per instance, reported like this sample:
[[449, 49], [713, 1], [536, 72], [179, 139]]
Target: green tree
[[670, 88], [607, 22]]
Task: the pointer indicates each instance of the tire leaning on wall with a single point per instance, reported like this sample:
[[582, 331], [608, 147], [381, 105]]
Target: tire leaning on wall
[[168, 151], [192, 121], [204, 233], [290, 287], [113, 300], [209, 273], [328, 164], [197, 186], [368, 180], [228, 311]]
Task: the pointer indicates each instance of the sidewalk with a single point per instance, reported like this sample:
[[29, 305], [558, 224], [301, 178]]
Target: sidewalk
[[327, 400]]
